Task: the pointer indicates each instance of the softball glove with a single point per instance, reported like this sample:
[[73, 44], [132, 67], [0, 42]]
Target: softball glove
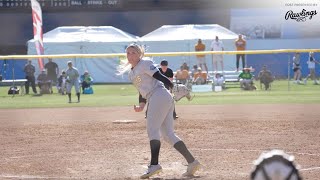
[[180, 91]]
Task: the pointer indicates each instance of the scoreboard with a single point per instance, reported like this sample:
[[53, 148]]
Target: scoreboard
[[125, 5], [48, 5]]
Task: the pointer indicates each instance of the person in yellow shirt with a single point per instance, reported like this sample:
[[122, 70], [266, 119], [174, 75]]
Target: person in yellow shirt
[[182, 76], [201, 59], [241, 46]]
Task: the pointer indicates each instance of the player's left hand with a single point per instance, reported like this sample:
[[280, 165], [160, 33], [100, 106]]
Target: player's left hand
[[139, 108]]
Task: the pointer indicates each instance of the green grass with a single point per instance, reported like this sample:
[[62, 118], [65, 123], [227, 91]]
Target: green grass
[[126, 95]]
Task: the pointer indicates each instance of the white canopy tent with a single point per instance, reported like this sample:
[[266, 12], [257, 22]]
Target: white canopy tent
[[175, 38], [91, 40]]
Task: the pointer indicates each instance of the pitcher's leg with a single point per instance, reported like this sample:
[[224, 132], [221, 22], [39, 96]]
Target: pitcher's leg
[[155, 150], [155, 116], [167, 128], [167, 131], [157, 112], [154, 121], [182, 149]]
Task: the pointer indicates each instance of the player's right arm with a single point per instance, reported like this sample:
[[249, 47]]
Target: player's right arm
[[142, 103]]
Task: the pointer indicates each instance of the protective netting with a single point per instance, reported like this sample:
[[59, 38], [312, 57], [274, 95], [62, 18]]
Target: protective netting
[[103, 67]]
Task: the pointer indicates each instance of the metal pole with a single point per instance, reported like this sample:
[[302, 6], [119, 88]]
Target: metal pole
[[13, 78], [288, 72]]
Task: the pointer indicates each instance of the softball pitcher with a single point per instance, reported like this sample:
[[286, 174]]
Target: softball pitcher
[[150, 84], [72, 75]]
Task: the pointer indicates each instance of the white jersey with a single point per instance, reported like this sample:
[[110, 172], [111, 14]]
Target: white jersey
[[72, 74], [296, 62], [311, 64], [218, 81], [142, 78], [217, 45]]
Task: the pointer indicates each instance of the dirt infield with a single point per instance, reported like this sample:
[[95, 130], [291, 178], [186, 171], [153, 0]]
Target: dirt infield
[[83, 143]]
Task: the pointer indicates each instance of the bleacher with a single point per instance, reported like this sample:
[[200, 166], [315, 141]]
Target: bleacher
[[231, 77]]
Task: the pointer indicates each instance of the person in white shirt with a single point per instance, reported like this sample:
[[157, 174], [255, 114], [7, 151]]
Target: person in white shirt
[[311, 66], [219, 80], [217, 45]]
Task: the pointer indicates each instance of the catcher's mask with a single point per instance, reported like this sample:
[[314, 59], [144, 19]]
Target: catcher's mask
[[275, 165]]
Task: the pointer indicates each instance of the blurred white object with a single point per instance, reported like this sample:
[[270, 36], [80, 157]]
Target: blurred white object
[[275, 165]]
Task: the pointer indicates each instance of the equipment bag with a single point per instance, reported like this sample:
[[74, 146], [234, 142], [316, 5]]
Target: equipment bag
[[88, 90], [14, 90]]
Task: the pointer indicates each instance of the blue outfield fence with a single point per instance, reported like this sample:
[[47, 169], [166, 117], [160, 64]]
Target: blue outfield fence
[[278, 63], [12, 69]]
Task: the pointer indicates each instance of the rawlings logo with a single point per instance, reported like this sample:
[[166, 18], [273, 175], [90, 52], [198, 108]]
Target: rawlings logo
[[301, 16]]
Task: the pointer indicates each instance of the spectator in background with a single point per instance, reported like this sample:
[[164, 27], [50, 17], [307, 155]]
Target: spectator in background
[[86, 80], [44, 82], [312, 66], [169, 74], [200, 77], [185, 66], [265, 77], [218, 80], [201, 59], [246, 79], [194, 70], [241, 46], [52, 71], [62, 83], [296, 68], [217, 45], [182, 76], [29, 69]]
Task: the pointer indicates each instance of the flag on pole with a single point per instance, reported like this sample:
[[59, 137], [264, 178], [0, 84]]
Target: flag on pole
[[37, 29]]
